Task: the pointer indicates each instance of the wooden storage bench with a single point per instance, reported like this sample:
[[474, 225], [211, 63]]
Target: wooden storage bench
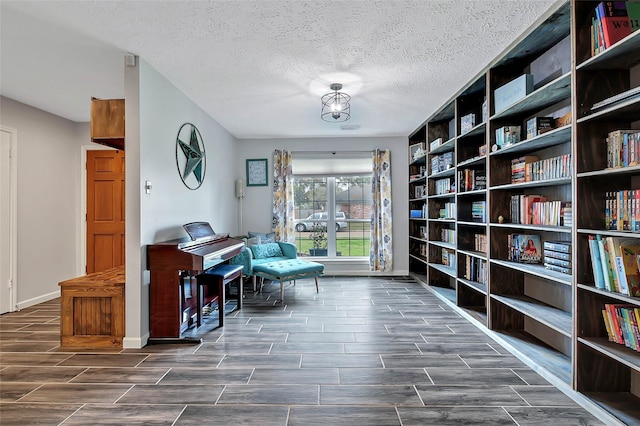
[[92, 310]]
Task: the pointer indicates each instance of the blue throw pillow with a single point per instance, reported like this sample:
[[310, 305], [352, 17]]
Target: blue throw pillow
[[263, 251], [264, 238]]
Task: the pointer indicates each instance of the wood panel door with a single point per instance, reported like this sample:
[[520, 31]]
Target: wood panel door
[[105, 210]]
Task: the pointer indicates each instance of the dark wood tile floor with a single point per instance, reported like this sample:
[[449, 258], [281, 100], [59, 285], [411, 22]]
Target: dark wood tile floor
[[364, 351]]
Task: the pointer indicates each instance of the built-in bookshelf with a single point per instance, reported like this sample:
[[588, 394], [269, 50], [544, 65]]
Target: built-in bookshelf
[[520, 154], [418, 235], [607, 372]]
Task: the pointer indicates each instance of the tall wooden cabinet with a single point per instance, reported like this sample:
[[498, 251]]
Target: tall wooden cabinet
[[552, 318]]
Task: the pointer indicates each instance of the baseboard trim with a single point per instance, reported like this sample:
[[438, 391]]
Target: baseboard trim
[[36, 300], [135, 342]]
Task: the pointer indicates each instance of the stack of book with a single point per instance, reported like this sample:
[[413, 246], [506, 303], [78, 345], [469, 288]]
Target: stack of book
[[467, 122], [479, 211], [567, 215], [521, 168], [442, 162], [614, 261], [557, 256], [621, 322], [525, 248]]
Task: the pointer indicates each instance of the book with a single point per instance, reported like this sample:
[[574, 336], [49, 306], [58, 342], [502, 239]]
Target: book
[[559, 246], [557, 268], [596, 264], [557, 262], [633, 10], [530, 248], [629, 254], [607, 272], [615, 21], [614, 249]]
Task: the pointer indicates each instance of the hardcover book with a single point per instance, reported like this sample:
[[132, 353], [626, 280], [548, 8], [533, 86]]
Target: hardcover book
[[615, 21]]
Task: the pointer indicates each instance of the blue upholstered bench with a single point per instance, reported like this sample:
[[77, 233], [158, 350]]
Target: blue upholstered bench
[[289, 270], [218, 277]]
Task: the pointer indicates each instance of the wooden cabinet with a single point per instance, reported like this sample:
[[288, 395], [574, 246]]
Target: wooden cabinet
[[550, 318], [107, 122], [92, 310]]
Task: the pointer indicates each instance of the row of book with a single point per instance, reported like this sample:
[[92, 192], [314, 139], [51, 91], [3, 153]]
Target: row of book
[[557, 256], [448, 236], [530, 168], [616, 263], [471, 180], [622, 210], [442, 162], [622, 324], [611, 22], [448, 211], [480, 242], [623, 148], [445, 186], [476, 269], [448, 257], [534, 209], [524, 248]]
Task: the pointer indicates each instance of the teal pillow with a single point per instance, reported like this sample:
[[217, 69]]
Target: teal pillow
[[263, 251], [264, 238]]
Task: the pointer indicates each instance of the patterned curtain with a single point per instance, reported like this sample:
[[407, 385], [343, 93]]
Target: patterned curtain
[[381, 253], [283, 222]]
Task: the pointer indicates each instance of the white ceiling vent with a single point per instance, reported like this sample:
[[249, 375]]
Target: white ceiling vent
[[349, 127]]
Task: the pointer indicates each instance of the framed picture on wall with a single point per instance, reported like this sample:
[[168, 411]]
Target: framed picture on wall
[[257, 174]]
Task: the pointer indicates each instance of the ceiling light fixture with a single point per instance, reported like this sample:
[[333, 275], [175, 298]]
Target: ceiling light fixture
[[335, 105]]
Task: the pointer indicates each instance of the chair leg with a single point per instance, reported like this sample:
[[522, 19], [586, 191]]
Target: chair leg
[[254, 283], [221, 302], [316, 277], [281, 291]]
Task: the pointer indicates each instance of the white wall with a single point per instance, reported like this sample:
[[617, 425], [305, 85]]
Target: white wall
[[49, 150], [257, 204], [151, 148]]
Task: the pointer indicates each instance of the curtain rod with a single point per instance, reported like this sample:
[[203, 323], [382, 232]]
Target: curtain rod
[[333, 152]]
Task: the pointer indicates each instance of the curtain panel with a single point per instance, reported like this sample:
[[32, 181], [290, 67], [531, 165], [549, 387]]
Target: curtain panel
[[283, 208], [381, 253]]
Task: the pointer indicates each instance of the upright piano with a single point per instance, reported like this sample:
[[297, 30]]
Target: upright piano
[[172, 264]]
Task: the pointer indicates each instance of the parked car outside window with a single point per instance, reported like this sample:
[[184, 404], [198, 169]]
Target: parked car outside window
[[320, 218]]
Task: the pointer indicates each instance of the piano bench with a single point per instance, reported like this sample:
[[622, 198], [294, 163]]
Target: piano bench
[[289, 270], [218, 276]]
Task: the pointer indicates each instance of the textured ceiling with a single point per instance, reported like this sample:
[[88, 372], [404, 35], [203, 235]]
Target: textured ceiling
[[260, 67]]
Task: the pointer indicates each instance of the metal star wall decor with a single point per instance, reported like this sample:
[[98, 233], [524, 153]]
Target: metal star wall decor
[[191, 159]]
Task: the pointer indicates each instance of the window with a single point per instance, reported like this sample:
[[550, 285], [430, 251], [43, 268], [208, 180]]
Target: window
[[326, 185]]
